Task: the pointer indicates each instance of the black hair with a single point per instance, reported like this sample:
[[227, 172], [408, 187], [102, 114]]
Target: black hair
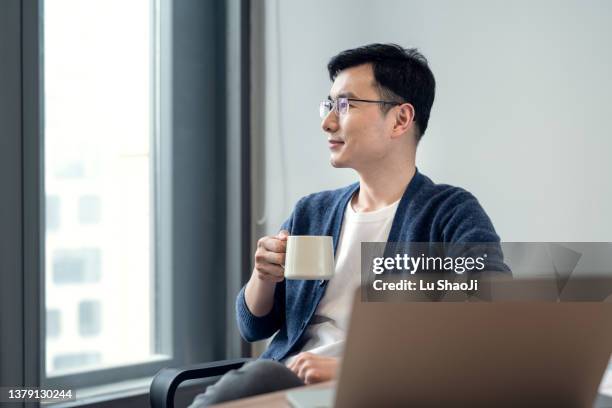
[[401, 75]]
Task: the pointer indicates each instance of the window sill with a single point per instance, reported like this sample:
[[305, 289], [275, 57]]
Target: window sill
[[108, 393], [132, 393]]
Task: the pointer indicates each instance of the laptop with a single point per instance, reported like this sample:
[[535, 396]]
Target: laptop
[[477, 354]]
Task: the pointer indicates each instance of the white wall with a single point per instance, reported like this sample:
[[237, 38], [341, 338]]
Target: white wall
[[521, 116]]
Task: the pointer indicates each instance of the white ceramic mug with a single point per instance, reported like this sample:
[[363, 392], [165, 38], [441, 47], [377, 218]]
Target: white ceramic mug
[[309, 257]]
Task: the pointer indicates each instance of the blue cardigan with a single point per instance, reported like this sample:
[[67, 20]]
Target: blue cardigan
[[427, 212]]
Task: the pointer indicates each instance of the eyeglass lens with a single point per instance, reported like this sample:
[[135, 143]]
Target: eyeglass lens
[[341, 105]]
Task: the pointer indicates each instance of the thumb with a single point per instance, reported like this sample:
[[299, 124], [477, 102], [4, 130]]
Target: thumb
[[282, 235]]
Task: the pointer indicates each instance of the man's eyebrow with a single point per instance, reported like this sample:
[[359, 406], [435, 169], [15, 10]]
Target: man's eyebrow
[[342, 95]]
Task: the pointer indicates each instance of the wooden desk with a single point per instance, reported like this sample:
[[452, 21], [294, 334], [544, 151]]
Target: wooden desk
[[271, 400]]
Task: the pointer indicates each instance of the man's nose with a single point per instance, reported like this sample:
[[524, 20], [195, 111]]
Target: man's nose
[[330, 122]]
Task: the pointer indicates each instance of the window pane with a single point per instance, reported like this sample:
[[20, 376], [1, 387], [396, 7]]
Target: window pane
[[89, 318], [89, 209], [76, 266], [53, 323], [99, 116]]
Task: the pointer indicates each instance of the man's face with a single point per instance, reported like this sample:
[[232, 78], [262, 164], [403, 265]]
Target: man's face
[[360, 138]]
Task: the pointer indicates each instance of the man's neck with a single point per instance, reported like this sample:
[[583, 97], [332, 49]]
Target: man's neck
[[382, 187]]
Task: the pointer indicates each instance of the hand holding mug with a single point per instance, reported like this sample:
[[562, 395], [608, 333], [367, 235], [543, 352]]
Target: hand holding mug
[[270, 257]]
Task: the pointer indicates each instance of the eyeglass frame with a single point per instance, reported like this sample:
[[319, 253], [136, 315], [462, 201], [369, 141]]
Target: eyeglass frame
[[334, 107]]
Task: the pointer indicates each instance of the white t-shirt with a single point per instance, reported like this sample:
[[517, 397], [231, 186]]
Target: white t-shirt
[[327, 329]]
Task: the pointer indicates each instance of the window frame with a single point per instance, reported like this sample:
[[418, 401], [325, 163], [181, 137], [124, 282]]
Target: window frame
[[161, 298], [202, 160]]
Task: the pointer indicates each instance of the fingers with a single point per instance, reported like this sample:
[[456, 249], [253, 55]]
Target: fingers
[[301, 364], [312, 368], [273, 244], [266, 257], [304, 370], [270, 257], [294, 363], [299, 360], [270, 272], [312, 377], [309, 372]]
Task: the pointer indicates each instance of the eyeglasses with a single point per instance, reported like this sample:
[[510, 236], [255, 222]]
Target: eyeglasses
[[341, 105]]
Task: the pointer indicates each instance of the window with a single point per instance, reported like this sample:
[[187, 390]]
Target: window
[[53, 213], [89, 318], [76, 266], [75, 360], [100, 143], [89, 209], [53, 324], [123, 155]]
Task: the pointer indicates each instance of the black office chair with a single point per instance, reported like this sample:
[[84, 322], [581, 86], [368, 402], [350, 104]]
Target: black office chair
[[167, 380]]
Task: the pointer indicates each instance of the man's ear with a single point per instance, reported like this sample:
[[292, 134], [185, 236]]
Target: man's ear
[[404, 119]]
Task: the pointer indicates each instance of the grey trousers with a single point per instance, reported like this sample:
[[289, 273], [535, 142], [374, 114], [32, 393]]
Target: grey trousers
[[253, 378]]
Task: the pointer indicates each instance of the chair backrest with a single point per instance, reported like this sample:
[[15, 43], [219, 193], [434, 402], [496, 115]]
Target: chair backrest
[[164, 385]]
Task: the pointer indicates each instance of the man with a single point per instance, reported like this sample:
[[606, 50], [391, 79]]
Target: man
[[376, 113]]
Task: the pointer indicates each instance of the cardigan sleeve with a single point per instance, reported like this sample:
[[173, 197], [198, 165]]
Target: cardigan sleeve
[[254, 328]]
